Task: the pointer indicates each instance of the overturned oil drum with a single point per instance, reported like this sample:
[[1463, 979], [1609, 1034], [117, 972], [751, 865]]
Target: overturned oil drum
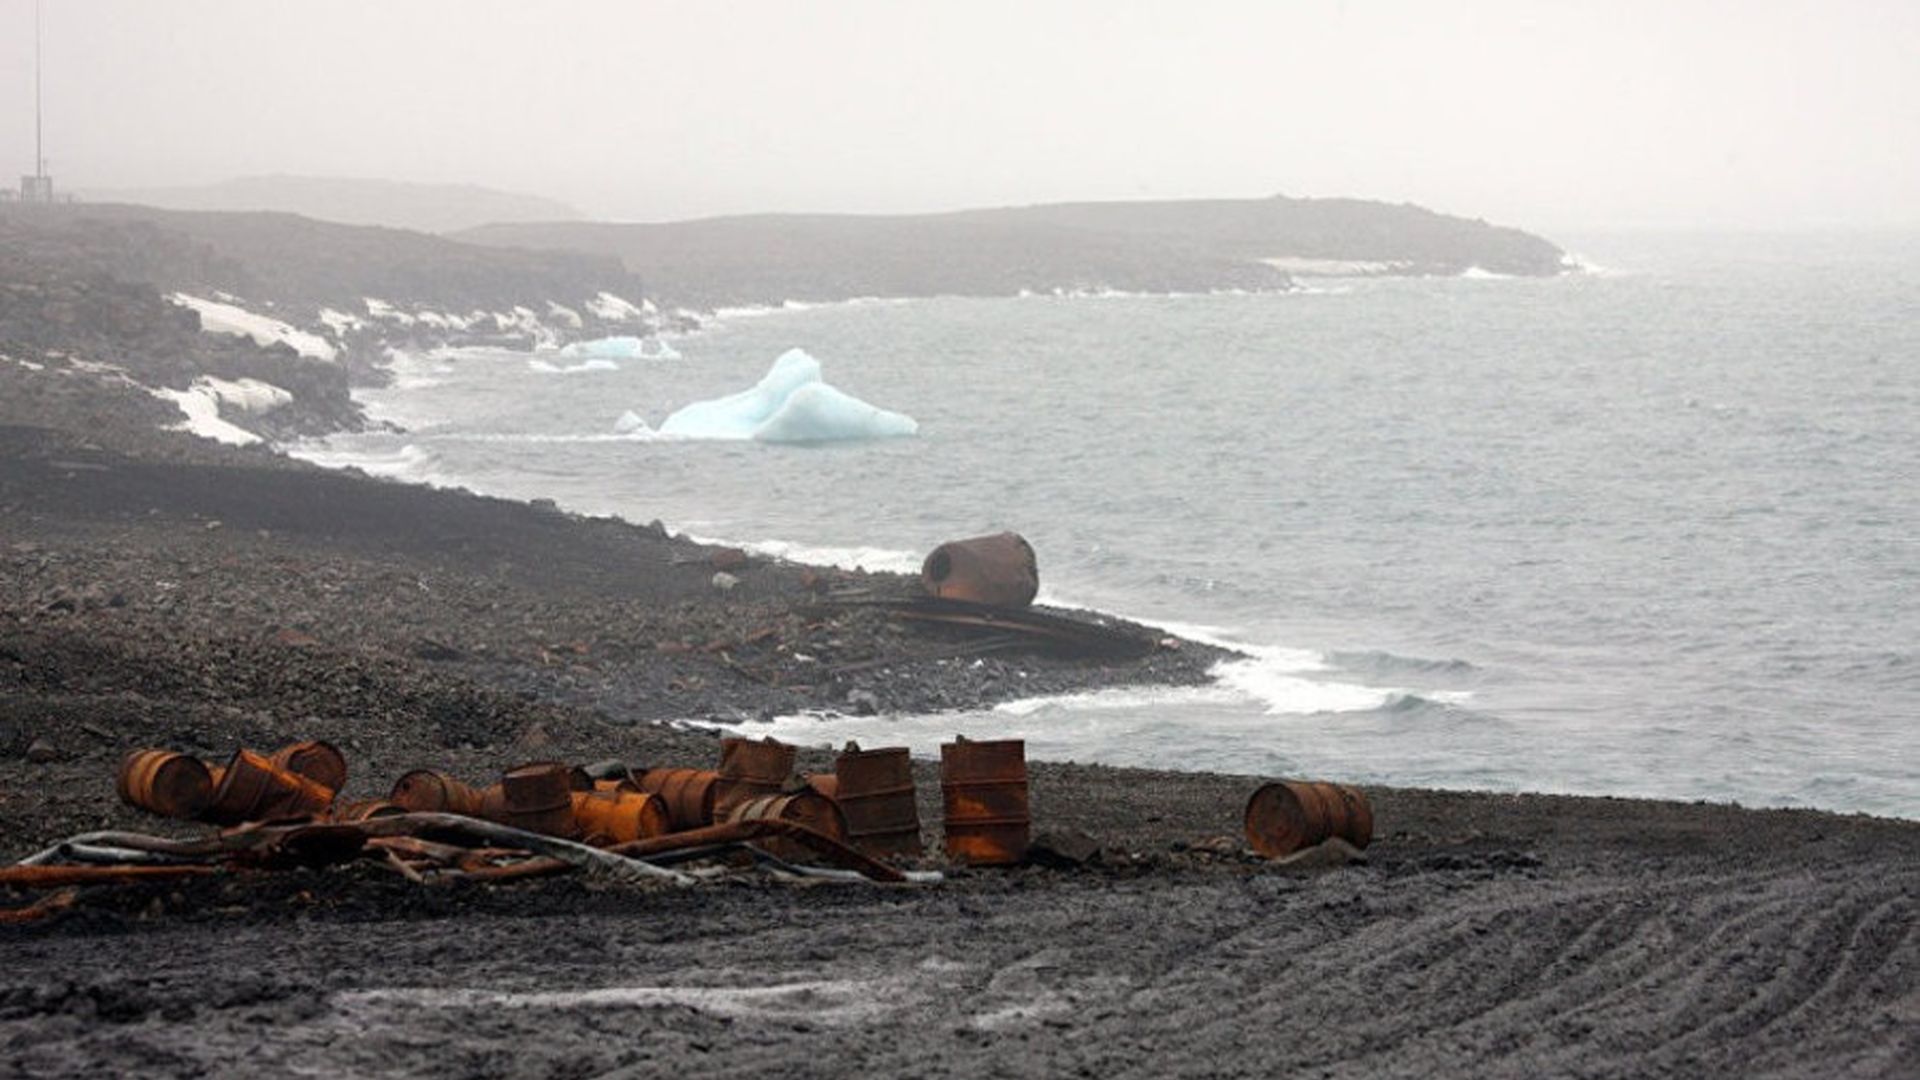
[[165, 783], [875, 792], [320, 762], [750, 768], [251, 788], [984, 788], [1285, 816], [804, 807], [435, 792], [619, 815], [825, 783], [539, 798], [999, 570], [687, 794]]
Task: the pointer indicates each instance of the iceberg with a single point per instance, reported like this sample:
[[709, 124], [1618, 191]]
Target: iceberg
[[631, 423], [790, 404], [622, 348]]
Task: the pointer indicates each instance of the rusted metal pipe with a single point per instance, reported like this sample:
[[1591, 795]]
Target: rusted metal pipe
[[45, 907], [58, 877], [599, 860]]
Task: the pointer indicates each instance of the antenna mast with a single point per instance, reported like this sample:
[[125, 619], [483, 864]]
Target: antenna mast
[[39, 152]]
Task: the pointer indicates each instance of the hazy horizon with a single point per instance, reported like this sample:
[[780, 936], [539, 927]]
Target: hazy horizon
[[1769, 116]]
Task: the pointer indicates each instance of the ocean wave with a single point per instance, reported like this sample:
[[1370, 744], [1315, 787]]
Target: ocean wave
[[1375, 662], [410, 462], [542, 367]]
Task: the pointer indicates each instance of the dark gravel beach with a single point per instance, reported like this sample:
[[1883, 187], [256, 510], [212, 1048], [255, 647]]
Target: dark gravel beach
[[202, 600]]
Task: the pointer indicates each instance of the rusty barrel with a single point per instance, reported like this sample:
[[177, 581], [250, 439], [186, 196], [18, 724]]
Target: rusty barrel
[[875, 791], [687, 794], [1287, 815], [434, 792], [825, 783], [804, 807], [1000, 570], [251, 788], [365, 810], [539, 798], [750, 768], [320, 762], [165, 783], [984, 788], [618, 815]]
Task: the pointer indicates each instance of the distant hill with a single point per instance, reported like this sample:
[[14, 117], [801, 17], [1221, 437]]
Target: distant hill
[[435, 208], [1170, 246], [302, 264]]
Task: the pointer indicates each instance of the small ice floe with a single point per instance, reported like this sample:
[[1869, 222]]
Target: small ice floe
[[219, 318], [622, 348], [791, 404], [542, 367]]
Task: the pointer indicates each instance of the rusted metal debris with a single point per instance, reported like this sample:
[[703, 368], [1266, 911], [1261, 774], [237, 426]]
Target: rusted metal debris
[[984, 788], [1288, 815], [998, 570], [998, 628]]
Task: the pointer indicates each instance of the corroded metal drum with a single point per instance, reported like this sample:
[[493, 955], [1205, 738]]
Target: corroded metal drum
[[365, 810], [687, 794], [539, 798], [805, 807], [617, 815], [825, 783], [320, 762], [1000, 570], [251, 788], [984, 788], [875, 792], [435, 792], [750, 768], [165, 783], [1285, 816]]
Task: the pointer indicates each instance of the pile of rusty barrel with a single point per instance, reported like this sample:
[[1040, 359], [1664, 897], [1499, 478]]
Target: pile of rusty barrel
[[859, 822]]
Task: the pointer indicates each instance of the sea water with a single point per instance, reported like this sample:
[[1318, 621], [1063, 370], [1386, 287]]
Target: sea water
[[1648, 529]]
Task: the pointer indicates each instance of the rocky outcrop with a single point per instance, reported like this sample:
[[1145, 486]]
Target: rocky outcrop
[[1157, 247]]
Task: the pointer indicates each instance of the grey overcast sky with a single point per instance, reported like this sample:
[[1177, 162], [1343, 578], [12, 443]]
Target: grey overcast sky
[[1539, 114]]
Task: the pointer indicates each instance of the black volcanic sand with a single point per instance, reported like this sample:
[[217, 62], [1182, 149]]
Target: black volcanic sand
[[202, 601]]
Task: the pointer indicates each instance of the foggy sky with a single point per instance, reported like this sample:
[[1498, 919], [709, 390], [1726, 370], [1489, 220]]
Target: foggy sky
[[1538, 114]]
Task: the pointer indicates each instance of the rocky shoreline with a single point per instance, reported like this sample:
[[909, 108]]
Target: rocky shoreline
[[163, 590]]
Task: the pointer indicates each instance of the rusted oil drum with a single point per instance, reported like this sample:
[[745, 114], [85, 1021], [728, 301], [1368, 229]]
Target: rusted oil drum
[[687, 793], [875, 792], [165, 783], [251, 788], [984, 788], [998, 570], [365, 809], [539, 798], [435, 792], [825, 783], [750, 768], [804, 807], [1285, 816], [616, 816], [614, 785], [320, 762]]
